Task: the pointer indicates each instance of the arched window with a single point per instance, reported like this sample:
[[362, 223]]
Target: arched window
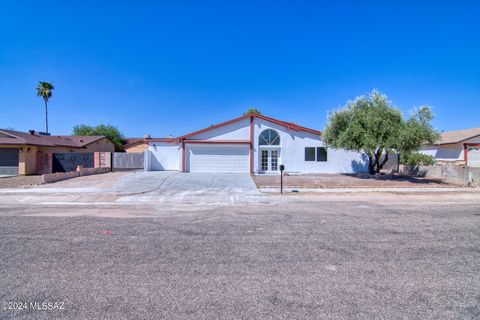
[[269, 138]]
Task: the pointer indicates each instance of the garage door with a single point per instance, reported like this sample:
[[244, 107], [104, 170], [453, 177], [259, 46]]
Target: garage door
[[218, 158], [8, 161], [473, 156]]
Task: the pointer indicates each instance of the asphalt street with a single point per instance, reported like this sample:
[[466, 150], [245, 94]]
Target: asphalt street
[[300, 259]]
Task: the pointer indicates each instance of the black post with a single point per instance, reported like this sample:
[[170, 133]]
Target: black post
[[282, 167]]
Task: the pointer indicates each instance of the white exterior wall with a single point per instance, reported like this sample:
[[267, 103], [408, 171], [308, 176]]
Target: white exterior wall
[[446, 152], [292, 152], [164, 156], [167, 156], [239, 130]]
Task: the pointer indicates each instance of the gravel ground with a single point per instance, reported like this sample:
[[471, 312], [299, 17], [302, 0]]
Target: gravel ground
[[300, 260], [20, 181], [348, 181]]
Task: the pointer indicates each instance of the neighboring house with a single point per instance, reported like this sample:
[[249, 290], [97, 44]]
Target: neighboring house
[[140, 144], [461, 148], [21, 152], [254, 144]]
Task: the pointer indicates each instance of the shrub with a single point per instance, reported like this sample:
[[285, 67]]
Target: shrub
[[416, 159]]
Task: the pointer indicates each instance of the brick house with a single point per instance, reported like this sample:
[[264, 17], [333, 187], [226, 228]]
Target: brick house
[[28, 153]]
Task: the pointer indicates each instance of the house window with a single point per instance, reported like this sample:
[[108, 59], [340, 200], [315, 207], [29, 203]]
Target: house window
[[309, 154], [321, 154], [318, 154], [269, 138]]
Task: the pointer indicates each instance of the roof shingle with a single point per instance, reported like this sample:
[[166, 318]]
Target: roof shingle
[[12, 137], [458, 136]]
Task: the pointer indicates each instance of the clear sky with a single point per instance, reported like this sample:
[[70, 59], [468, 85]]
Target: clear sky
[[174, 67]]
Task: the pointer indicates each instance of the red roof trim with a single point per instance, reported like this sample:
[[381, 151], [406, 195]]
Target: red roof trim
[[212, 127], [288, 125]]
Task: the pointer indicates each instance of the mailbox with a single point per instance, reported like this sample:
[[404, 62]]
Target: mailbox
[[282, 167]]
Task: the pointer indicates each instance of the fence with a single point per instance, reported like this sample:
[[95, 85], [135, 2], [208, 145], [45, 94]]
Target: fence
[[128, 161], [68, 162], [464, 176]]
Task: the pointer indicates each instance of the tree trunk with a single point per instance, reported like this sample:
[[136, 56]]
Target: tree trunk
[[384, 161], [46, 116], [371, 166], [374, 164]]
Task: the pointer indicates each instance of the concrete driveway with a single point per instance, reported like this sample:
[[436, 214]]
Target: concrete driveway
[[200, 188], [161, 187]]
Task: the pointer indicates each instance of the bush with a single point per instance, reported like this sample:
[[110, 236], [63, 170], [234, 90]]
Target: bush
[[416, 159]]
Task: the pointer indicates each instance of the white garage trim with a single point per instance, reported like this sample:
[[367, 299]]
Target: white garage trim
[[218, 158]]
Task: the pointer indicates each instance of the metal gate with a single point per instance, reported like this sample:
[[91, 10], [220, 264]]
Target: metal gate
[[8, 161], [127, 161], [67, 162]]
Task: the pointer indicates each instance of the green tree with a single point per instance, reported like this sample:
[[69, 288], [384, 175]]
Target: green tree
[[108, 130], [371, 124], [44, 90], [416, 159], [252, 111]]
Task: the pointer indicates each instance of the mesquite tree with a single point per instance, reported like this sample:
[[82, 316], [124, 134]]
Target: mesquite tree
[[371, 124]]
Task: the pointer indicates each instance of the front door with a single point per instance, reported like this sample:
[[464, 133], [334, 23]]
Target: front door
[[269, 160]]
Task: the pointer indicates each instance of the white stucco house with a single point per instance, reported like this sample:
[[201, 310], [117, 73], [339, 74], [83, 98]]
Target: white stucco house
[[254, 144], [461, 148]]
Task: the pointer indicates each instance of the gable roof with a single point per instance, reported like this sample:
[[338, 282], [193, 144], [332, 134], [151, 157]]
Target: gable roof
[[129, 142], [458, 136], [12, 137], [288, 125]]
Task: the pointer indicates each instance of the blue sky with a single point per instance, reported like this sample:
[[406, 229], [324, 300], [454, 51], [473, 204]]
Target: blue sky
[[174, 67]]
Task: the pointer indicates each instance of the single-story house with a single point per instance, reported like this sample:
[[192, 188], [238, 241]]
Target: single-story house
[[254, 144], [22, 152], [140, 144], [460, 148]]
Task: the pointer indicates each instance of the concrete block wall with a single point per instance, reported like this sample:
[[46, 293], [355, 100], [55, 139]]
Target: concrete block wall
[[464, 176], [59, 176]]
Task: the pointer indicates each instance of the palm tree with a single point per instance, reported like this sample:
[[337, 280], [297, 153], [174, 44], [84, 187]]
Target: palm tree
[[44, 90]]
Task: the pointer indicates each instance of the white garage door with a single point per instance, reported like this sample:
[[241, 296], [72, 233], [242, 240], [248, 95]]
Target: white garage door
[[218, 158], [473, 156]]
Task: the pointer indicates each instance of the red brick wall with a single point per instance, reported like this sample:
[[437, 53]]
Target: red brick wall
[[43, 162], [102, 159]]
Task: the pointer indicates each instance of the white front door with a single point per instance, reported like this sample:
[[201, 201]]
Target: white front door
[[269, 160]]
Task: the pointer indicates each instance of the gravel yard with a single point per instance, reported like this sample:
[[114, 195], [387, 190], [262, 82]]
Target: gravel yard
[[348, 181], [20, 181]]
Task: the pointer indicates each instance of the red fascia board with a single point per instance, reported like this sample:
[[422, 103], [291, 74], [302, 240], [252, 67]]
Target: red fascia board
[[218, 141], [212, 127], [288, 125]]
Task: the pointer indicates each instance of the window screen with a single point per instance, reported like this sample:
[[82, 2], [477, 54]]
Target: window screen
[[321, 154], [309, 154]]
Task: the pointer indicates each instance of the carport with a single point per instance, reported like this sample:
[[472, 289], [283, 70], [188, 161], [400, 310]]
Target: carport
[[9, 161]]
